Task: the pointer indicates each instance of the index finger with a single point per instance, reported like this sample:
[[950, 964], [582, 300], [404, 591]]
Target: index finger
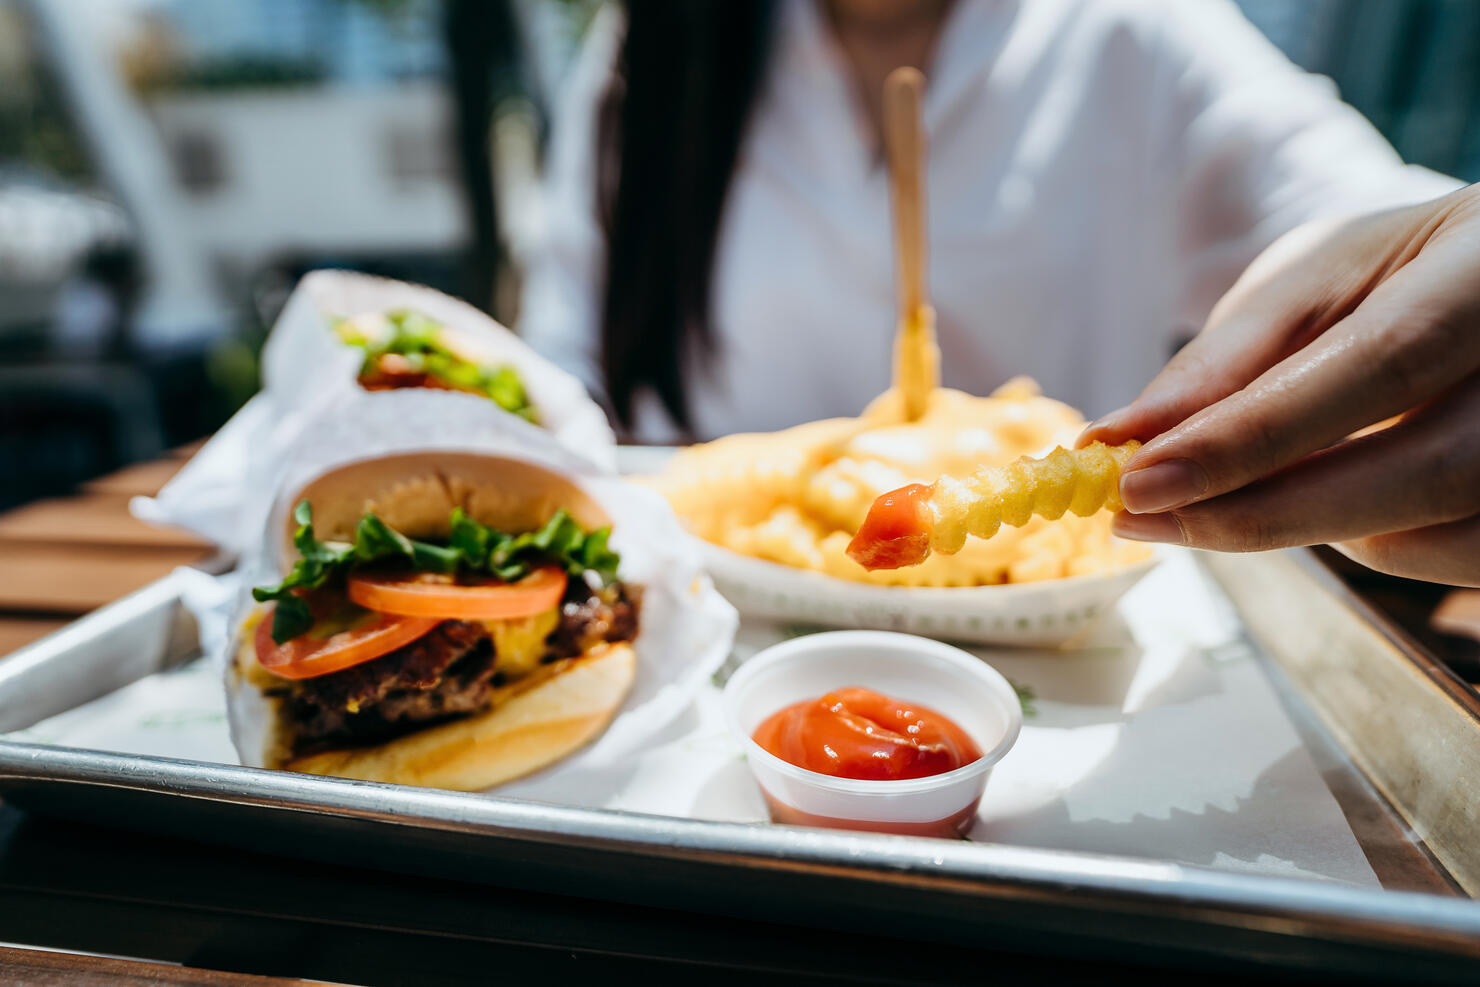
[[1292, 292], [1404, 344]]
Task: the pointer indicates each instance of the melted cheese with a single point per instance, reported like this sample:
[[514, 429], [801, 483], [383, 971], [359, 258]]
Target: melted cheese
[[520, 644]]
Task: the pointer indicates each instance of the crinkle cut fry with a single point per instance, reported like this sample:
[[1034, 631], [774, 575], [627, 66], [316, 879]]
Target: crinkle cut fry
[[1079, 480], [905, 526]]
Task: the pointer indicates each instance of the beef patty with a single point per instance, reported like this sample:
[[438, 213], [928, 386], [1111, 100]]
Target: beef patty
[[607, 615], [450, 671]]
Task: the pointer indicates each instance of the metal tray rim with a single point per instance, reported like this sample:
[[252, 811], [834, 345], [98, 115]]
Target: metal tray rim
[[969, 867]]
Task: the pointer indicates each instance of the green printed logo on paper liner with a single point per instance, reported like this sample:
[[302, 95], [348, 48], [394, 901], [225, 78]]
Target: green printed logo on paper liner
[[177, 718]]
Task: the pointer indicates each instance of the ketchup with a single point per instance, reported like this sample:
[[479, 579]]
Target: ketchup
[[858, 733], [896, 532]]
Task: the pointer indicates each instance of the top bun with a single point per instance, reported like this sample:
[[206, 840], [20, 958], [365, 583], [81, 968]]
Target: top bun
[[415, 493]]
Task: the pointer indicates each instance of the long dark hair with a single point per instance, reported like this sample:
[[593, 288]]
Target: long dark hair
[[671, 128]]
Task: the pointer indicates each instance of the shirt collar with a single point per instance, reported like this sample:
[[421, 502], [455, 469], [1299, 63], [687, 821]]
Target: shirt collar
[[969, 42]]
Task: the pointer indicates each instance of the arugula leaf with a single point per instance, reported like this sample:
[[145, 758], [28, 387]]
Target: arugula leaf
[[319, 561], [375, 540], [417, 339], [290, 618], [470, 538], [598, 558], [471, 548], [434, 558]]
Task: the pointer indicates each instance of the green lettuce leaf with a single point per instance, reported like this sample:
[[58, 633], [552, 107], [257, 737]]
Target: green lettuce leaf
[[419, 340], [471, 548]]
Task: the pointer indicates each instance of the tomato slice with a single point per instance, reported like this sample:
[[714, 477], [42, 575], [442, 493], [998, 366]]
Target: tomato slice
[[365, 637], [447, 597]]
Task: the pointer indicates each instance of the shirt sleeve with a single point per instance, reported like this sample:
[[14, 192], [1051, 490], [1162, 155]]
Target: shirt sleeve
[[1252, 146], [560, 306]]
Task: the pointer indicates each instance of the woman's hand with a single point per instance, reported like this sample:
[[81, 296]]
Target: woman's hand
[[1335, 328]]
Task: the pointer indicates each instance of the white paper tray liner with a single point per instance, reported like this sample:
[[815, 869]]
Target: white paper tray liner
[[1159, 738]]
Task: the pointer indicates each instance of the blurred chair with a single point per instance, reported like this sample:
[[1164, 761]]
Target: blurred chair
[[60, 425]]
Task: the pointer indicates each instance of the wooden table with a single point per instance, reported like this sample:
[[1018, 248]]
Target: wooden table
[[45, 966], [62, 557]]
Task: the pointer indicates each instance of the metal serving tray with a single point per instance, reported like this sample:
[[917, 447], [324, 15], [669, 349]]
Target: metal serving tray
[[978, 894]]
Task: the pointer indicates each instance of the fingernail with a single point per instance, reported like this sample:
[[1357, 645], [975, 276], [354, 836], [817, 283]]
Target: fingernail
[[1149, 527], [1162, 486], [1107, 421]]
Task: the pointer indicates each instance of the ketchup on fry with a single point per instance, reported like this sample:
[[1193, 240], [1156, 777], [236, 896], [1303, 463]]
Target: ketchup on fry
[[858, 733], [896, 532]]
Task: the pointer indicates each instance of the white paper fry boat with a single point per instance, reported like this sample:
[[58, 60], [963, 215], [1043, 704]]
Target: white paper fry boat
[[1038, 614]]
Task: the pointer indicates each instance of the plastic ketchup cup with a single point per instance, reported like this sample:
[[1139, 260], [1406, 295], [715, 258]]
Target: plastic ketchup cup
[[948, 680]]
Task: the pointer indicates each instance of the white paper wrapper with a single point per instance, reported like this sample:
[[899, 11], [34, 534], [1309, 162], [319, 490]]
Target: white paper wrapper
[[1037, 614], [306, 370], [687, 628]]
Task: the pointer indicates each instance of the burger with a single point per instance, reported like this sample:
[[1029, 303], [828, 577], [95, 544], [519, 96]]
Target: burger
[[403, 348], [448, 620]]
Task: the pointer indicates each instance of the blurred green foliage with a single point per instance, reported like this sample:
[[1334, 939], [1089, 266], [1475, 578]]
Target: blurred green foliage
[[244, 71], [234, 369], [35, 129]]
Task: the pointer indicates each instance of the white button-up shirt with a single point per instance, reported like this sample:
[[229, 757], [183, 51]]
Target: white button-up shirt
[[1100, 172]]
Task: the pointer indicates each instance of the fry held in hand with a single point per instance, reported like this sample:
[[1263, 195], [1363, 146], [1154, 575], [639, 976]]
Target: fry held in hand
[[904, 526]]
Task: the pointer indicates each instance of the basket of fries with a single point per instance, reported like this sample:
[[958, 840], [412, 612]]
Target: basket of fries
[[776, 513]]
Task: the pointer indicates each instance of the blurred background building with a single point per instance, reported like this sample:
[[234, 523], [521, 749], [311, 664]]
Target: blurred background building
[[169, 167]]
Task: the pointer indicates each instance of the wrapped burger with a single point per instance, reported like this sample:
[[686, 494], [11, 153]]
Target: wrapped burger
[[458, 607], [340, 337]]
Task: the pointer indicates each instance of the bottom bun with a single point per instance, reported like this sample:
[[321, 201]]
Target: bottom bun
[[529, 731]]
